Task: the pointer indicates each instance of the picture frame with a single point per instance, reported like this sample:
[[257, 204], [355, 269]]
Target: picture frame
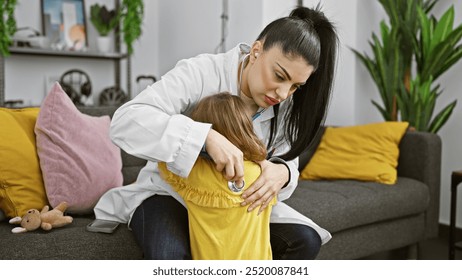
[[64, 23]]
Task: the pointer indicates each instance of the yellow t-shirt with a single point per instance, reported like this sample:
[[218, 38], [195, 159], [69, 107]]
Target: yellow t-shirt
[[219, 227]]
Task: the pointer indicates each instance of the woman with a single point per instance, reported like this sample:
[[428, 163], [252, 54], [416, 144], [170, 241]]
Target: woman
[[284, 78], [219, 227]]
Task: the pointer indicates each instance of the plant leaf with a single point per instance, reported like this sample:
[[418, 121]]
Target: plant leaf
[[443, 27], [442, 117]]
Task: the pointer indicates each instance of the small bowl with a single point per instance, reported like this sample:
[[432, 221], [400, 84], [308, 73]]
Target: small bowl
[[40, 42]]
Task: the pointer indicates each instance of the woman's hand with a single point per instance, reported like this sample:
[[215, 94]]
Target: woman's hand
[[271, 180], [228, 158]]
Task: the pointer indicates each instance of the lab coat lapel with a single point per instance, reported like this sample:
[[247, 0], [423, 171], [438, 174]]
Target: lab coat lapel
[[261, 124], [234, 64]]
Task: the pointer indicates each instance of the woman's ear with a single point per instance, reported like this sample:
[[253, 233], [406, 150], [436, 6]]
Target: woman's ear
[[256, 50]]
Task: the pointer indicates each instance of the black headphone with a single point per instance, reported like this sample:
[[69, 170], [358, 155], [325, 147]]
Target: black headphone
[[76, 83]]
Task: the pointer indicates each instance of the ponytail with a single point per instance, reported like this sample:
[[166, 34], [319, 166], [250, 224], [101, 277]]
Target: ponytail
[[309, 34]]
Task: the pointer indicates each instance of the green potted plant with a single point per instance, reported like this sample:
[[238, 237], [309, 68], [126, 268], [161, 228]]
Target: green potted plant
[[414, 50], [131, 18], [386, 69], [7, 30], [7, 25], [104, 22]]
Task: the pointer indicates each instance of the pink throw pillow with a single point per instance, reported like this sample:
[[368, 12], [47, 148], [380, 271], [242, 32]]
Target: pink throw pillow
[[78, 160]]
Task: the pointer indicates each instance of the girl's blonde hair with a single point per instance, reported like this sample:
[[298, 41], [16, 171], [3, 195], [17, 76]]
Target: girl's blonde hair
[[227, 114]]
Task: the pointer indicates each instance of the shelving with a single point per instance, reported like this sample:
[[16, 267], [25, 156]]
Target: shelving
[[77, 54], [116, 57]]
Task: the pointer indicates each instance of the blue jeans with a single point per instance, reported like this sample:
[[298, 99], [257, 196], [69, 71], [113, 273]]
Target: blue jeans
[[160, 226]]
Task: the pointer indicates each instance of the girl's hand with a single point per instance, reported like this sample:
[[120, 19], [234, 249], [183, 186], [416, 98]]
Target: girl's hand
[[271, 180], [228, 158]]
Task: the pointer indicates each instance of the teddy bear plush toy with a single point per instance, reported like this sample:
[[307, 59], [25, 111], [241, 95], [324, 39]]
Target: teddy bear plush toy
[[45, 219]]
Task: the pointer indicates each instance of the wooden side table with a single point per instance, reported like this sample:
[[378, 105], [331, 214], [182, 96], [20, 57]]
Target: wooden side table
[[456, 179]]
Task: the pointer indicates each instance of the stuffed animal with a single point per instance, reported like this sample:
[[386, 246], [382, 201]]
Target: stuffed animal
[[45, 219]]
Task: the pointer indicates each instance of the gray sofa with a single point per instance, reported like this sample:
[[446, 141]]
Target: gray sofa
[[364, 218]]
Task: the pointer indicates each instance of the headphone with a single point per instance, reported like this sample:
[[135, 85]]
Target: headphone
[[76, 83]]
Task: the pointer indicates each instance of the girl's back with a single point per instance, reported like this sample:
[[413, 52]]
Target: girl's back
[[219, 227]]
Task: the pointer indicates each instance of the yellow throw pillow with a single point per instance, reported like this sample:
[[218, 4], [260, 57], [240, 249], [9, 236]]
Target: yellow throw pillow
[[21, 183], [365, 152]]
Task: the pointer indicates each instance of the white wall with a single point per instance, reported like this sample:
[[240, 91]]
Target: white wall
[[245, 21], [199, 30], [175, 29], [273, 9], [343, 14], [145, 57], [185, 30], [369, 15]]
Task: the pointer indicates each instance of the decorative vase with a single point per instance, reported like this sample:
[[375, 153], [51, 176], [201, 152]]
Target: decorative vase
[[104, 43]]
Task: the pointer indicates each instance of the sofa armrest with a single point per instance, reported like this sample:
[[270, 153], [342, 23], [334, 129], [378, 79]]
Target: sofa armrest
[[420, 159], [131, 167], [98, 110]]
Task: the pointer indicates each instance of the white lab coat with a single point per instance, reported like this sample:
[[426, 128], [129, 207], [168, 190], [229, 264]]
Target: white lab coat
[[155, 126]]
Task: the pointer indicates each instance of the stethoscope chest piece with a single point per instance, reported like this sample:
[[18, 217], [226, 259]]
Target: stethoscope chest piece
[[235, 188]]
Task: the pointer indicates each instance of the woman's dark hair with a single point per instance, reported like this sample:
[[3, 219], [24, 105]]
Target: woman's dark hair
[[307, 33]]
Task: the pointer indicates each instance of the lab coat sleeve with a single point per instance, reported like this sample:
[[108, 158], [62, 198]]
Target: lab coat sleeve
[[152, 126], [281, 147], [292, 165]]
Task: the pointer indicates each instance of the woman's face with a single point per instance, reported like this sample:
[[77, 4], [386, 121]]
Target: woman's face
[[272, 76]]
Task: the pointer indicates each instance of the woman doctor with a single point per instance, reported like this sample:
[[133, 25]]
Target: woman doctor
[[285, 78]]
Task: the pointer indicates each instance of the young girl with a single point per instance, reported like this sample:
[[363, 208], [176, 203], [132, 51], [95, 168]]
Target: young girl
[[284, 78], [219, 227]]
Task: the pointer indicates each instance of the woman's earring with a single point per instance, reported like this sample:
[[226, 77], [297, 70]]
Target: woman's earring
[[256, 54]]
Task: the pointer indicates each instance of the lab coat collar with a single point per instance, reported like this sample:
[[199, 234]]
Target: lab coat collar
[[244, 48], [266, 115], [258, 122], [237, 53]]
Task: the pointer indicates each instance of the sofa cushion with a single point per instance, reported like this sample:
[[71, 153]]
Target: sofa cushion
[[131, 164], [308, 153], [363, 152], [78, 160], [69, 243], [341, 204], [21, 183]]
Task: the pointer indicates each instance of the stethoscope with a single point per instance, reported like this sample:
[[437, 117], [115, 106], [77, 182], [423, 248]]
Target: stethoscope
[[235, 188], [232, 185]]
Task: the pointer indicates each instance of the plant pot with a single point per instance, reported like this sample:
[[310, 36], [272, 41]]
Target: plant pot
[[104, 44]]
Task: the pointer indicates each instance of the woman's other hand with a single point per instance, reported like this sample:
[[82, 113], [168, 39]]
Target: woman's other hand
[[228, 158], [271, 180]]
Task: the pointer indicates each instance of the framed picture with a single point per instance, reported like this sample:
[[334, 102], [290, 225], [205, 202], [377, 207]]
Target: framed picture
[[64, 23]]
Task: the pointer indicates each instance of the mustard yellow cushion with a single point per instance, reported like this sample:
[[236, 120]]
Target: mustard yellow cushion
[[21, 183], [364, 152]]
